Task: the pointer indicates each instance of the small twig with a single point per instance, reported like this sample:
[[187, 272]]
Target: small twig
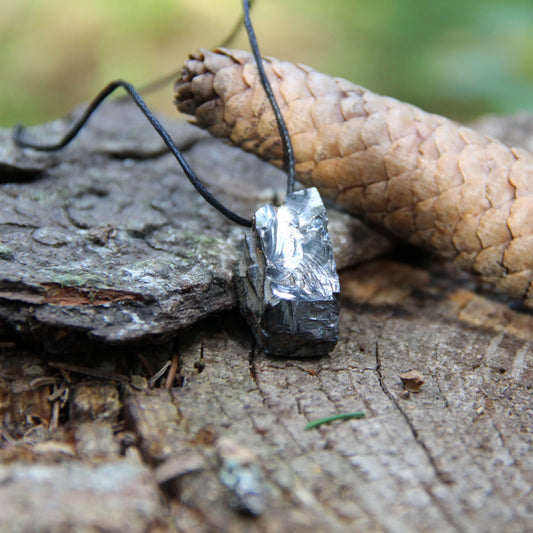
[[329, 419], [54, 419], [158, 374], [89, 371], [200, 364], [53, 425], [147, 366], [172, 371], [58, 392], [43, 381], [5, 345]]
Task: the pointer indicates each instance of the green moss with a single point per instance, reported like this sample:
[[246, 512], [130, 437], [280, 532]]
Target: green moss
[[78, 279], [6, 253], [38, 196], [200, 247]]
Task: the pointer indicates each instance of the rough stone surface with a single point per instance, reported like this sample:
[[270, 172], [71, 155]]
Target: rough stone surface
[[287, 279], [107, 238]]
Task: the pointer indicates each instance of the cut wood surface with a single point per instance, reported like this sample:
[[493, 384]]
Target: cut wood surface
[[102, 243]]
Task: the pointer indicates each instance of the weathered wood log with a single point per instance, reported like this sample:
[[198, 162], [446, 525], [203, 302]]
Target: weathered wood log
[[456, 456]]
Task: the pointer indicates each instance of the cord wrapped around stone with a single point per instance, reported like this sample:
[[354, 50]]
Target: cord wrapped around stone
[[424, 178]]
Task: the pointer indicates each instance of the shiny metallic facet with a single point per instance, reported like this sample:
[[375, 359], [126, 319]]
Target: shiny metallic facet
[[287, 280]]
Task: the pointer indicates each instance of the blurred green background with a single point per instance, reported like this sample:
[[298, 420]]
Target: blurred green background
[[461, 58]]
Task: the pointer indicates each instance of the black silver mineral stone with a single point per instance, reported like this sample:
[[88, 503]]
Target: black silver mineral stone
[[287, 279]]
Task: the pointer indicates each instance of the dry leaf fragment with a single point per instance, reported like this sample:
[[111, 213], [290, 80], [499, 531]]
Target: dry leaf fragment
[[412, 380]]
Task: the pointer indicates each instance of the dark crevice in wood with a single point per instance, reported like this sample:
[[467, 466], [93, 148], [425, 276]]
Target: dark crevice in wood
[[443, 477]]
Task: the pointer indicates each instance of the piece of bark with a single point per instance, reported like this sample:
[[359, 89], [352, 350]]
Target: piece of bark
[[110, 241], [412, 380], [94, 402], [24, 403], [115, 497], [95, 442]]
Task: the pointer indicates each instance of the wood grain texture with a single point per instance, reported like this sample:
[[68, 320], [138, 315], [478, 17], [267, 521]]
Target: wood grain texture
[[456, 457], [426, 179]]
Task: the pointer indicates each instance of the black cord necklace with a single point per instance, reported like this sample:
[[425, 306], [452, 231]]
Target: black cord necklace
[[286, 279]]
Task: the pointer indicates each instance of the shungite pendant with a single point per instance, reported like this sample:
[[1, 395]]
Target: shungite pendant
[[287, 279]]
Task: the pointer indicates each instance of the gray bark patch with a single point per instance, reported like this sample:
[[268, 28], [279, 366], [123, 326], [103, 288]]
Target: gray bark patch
[[107, 240]]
